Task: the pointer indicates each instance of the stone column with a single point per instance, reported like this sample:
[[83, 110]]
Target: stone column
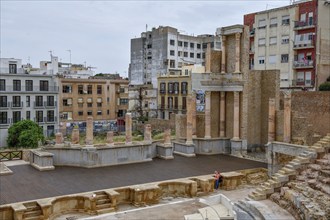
[[110, 138], [287, 119], [59, 138], [128, 128], [223, 55], [237, 50], [208, 58], [75, 138], [222, 114], [236, 116], [147, 134], [89, 131], [207, 114], [179, 126], [271, 120], [167, 138], [193, 110], [189, 121]]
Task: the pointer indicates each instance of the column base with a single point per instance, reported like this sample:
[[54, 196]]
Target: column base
[[236, 146], [237, 72], [189, 142], [207, 137], [223, 73]]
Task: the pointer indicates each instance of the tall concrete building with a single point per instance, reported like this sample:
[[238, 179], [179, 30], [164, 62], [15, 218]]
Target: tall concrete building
[[162, 51], [294, 39], [25, 95]]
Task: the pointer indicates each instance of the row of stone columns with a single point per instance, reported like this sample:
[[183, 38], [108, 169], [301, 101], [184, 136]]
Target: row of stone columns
[[222, 132], [237, 53]]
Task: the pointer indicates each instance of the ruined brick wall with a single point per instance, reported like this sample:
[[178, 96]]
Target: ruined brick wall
[[215, 61], [215, 114], [310, 115], [230, 53], [229, 114], [261, 86]]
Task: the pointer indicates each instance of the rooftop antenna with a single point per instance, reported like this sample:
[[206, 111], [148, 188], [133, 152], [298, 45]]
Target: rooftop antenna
[[146, 27], [51, 53]]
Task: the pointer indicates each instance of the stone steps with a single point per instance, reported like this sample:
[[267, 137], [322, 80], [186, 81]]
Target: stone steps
[[33, 211], [105, 210], [103, 203], [257, 196]]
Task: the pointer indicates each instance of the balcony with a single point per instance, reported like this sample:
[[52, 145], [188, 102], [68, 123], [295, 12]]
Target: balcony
[[16, 105], [302, 83], [30, 89], [300, 25], [4, 105], [303, 45], [303, 64]]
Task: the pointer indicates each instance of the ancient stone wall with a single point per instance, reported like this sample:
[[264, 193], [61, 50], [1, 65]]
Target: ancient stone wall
[[157, 124], [230, 53], [310, 116], [215, 61], [215, 115], [261, 86]]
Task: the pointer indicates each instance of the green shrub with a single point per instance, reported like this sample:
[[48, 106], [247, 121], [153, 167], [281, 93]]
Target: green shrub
[[25, 134], [325, 86], [158, 136]]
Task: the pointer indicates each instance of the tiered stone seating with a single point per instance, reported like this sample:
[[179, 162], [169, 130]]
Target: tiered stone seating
[[33, 211]]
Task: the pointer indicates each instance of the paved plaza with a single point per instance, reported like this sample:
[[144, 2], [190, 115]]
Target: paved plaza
[[27, 183]]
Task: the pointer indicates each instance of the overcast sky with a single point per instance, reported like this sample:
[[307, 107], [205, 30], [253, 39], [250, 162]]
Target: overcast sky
[[99, 32]]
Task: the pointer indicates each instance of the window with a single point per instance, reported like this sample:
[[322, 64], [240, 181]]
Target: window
[[262, 42], [261, 60], [185, 44], [285, 39], [198, 46], [273, 22], [203, 55], [162, 89], [99, 112], [89, 89], [80, 105], [170, 88], [180, 53], [146, 104], [180, 43], [39, 116], [27, 101], [99, 104], [2, 85], [50, 116], [176, 88], [172, 42], [80, 89], [89, 112], [89, 100], [184, 103], [172, 63], [39, 101], [170, 102], [16, 101], [67, 102], [17, 85], [192, 45], [28, 115], [186, 72], [198, 55], [262, 24], [3, 101], [204, 45], [80, 100], [191, 55], [123, 101], [176, 102], [16, 116], [43, 85], [28, 85], [99, 89], [185, 54], [149, 46], [284, 58], [172, 52], [50, 101], [300, 77], [162, 102], [310, 18], [3, 118], [67, 88], [80, 113], [67, 115], [286, 20], [12, 68], [272, 40], [89, 104], [108, 112], [272, 59], [184, 88]]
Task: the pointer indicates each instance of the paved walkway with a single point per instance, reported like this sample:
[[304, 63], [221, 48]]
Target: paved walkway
[[27, 183]]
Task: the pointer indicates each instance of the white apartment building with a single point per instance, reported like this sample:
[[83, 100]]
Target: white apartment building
[[26, 96]]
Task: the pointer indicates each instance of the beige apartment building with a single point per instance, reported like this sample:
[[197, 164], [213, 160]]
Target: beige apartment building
[[174, 88], [105, 100]]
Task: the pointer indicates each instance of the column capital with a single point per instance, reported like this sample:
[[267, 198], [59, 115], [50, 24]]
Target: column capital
[[238, 36], [223, 38]]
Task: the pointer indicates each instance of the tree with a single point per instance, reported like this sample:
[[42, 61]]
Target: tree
[[25, 133]]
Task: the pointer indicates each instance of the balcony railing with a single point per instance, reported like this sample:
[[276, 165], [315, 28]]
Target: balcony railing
[[45, 104], [303, 24], [303, 44], [303, 64], [166, 107], [16, 104], [30, 89], [4, 105], [303, 83]]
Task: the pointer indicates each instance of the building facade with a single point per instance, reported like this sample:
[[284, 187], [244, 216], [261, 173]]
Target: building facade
[[287, 39], [104, 100], [27, 96]]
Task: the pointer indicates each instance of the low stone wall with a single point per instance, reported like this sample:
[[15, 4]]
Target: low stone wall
[[184, 149], [137, 195], [41, 160], [212, 146]]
